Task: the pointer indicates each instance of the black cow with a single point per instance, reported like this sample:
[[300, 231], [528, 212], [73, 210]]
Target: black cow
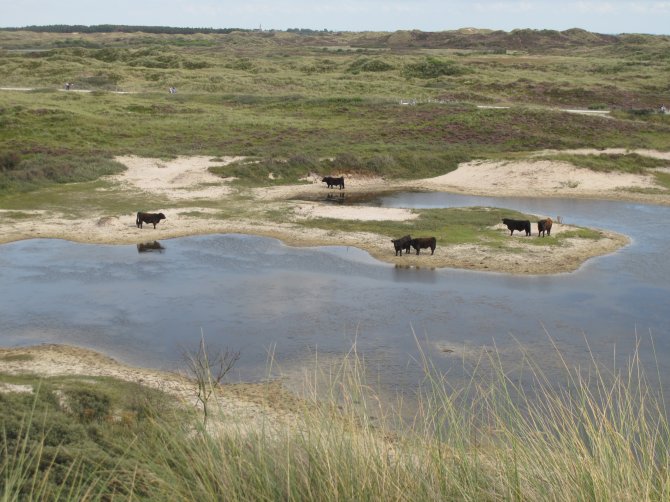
[[331, 181], [544, 226], [402, 243], [154, 218], [520, 225], [424, 242]]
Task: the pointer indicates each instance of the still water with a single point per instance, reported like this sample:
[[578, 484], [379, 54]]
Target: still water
[[147, 305]]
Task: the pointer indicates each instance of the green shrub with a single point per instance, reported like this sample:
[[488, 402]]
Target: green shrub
[[369, 65], [9, 161], [432, 68], [88, 403]]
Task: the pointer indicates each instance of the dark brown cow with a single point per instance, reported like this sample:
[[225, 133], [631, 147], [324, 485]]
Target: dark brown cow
[[520, 225], [424, 242], [544, 226], [154, 218], [402, 243], [332, 181]]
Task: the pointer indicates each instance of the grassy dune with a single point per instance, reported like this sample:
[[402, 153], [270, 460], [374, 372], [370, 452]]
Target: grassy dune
[[279, 96], [600, 436]]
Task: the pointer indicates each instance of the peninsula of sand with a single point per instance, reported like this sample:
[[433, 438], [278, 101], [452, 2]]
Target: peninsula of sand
[[192, 192]]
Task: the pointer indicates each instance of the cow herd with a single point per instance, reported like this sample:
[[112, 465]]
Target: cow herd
[[404, 243], [543, 226]]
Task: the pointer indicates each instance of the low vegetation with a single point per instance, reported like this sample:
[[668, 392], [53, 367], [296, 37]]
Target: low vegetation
[[596, 436], [301, 101]]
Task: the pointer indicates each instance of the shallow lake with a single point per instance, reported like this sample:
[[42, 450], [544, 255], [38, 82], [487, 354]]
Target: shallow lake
[[147, 305]]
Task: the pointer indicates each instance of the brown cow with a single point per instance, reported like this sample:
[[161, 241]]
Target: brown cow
[[544, 226]]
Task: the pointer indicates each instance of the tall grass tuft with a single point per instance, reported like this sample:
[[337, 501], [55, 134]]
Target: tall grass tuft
[[604, 436]]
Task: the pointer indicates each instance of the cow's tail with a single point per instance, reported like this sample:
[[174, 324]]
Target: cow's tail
[[137, 219]]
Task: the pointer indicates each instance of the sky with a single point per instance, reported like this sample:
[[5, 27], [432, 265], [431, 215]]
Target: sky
[[613, 16]]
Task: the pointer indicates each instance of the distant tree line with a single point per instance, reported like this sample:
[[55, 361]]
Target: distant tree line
[[116, 28]]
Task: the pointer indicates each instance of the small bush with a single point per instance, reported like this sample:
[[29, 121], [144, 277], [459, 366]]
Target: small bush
[[9, 161], [369, 65], [88, 404], [432, 68]]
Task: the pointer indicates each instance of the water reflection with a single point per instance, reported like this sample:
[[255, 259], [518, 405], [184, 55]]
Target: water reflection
[[409, 273], [337, 198], [150, 247]]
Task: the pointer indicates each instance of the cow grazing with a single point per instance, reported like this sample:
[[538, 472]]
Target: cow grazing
[[331, 181], [520, 225], [544, 226], [402, 243], [424, 242], [154, 218]]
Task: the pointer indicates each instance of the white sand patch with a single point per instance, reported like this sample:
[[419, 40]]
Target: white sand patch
[[15, 388], [534, 178], [360, 213], [655, 154], [180, 178]]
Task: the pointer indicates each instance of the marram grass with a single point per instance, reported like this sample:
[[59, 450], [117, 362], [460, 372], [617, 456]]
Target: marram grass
[[602, 436]]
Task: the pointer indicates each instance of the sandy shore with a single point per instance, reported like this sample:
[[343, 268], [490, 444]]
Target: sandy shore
[[186, 183], [244, 406]]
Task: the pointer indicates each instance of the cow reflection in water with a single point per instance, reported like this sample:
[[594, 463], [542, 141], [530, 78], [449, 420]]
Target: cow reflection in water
[[337, 198], [150, 247]]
